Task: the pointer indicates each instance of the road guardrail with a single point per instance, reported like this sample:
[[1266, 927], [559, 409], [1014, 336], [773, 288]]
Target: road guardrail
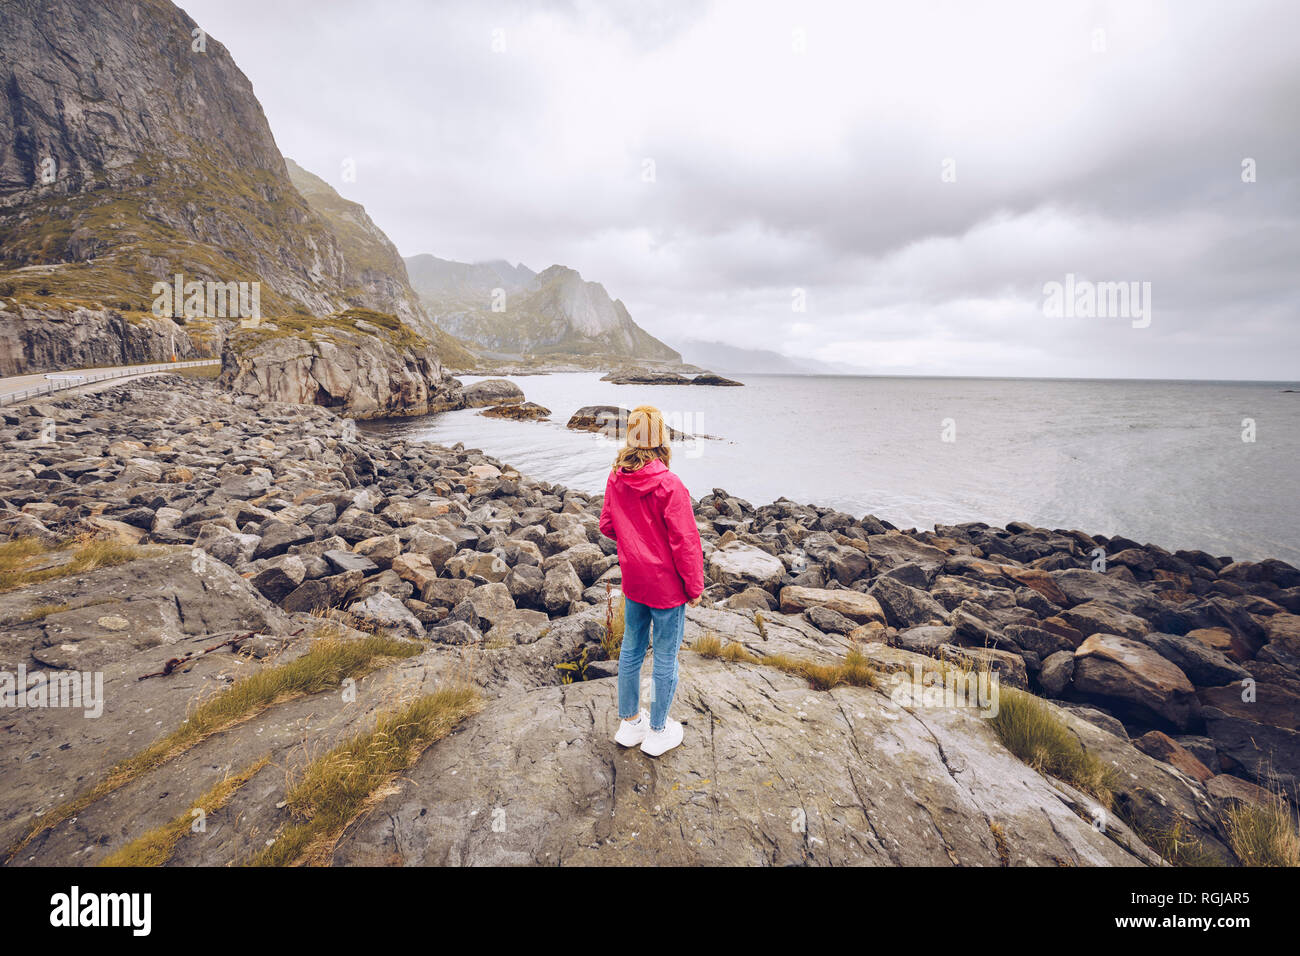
[[58, 385]]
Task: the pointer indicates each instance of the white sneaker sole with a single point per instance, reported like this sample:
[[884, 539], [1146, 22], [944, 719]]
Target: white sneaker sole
[[661, 746]]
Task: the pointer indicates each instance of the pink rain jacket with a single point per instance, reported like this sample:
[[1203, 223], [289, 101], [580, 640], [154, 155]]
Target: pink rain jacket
[[649, 513]]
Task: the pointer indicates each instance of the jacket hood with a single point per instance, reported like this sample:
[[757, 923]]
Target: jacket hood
[[645, 480]]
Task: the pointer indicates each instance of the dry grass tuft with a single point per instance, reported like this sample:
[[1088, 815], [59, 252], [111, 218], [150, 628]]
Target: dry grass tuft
[[335, 788], [155, 847], [25, 561], [324, 666], [1264, 835], [854, 669], [615, 622], [708, 645], [1034, 734]]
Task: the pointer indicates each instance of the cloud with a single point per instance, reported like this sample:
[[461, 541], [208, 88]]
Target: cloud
[[803, 145]]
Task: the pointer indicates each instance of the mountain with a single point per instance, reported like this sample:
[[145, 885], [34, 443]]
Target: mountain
[[127, 156], [133, 150], [375, 275], [734, 358], [553, 313], [465, 283]]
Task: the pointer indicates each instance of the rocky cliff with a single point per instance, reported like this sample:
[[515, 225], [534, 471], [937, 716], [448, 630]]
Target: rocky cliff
[[132, 149], [376, 274], [512, 312], [362, 364], [50, 339]]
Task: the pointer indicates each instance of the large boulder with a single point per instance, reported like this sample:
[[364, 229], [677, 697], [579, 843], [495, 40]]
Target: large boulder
[[845, 563], [446, 592], [1041, 641], [277, 537], [1080, 586], [477, 564], [492, 391], [738, 566], [852, 604], [1056, 672], [321, 594], [893, 550], [1100, 617], [1256, 725], [1133, 678], [83, 621], [280, 577], [561, 586], [385, 612], [492, 603], [1284, 629], [1204, 666], [905, 606], [1161, 746]]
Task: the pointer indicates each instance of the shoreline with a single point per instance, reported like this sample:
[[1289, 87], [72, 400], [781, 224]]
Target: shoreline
[[267, 521], [1242, 545]]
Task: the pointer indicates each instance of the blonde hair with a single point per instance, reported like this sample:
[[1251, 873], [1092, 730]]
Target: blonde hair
[[647, 440]]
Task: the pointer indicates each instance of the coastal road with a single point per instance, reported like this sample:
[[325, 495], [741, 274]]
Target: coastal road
[[18, 388]]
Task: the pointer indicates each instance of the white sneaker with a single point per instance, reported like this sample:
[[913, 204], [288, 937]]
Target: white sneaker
[[632, 732], [661, 741]]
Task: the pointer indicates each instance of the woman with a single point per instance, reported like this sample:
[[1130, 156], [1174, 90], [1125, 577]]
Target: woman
[[649, 513]]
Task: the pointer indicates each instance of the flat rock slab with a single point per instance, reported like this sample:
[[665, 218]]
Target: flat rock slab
[[113, 612], [770, 772], [291, 734]]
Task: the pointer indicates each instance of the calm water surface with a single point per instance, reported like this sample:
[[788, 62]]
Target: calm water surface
[[1160, 462]]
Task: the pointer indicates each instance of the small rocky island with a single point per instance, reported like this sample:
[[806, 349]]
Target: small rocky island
[[181, 540], [657, 376]]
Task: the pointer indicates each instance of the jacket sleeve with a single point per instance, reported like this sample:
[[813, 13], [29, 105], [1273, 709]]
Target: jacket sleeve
[[684, 540], [606, 518]]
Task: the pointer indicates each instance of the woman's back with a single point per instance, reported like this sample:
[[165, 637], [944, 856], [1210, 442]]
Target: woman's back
[[649, 513]]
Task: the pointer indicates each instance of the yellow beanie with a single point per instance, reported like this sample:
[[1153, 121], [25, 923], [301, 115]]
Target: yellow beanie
[[645, 428]]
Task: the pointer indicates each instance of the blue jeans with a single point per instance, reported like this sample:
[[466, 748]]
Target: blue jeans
[[669, 626]]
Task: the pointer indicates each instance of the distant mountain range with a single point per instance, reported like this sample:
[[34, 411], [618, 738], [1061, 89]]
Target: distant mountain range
[[722, 357], [511, 311]]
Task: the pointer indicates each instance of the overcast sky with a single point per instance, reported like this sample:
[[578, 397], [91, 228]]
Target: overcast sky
[[804, 146]]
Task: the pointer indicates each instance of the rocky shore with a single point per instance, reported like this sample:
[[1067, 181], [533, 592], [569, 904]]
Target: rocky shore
[[256, 522]]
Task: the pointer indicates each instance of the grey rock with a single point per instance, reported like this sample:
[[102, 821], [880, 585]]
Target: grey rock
[[832, 622], [277, 537], [906, 606], [278, 579], [1203, 665], [926, 639], [561, 587], [349, 561], [385, 611], [1056, 672]]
